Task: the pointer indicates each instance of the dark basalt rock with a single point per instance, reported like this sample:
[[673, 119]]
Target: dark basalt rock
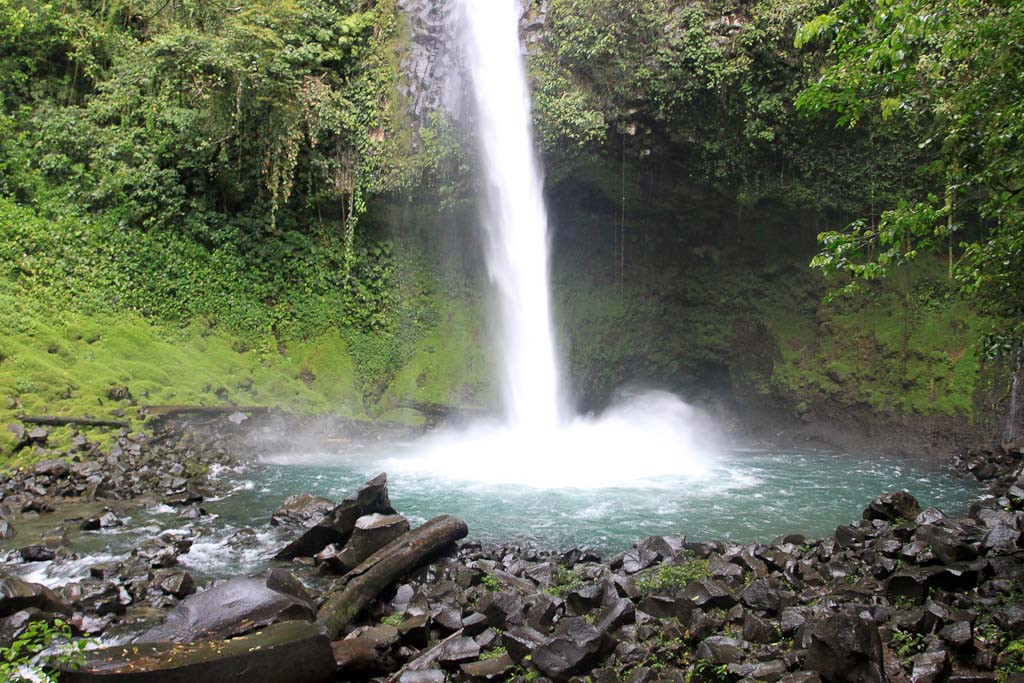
[[489, 669], [17, 595], [233, 608], [37, 553], [576, 646], [359, 658], [456, 651], [930, 667], [337, 526], [846, 649], [301, 510], [892, 507], [720, 650], [371, 533], [709, 594], [761, 596]]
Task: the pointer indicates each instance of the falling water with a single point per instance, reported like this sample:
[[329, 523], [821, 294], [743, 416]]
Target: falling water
[[651, 439], [516, 219]]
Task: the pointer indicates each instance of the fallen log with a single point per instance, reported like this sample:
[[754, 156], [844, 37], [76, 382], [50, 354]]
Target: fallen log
[[377, 572], [55, 421], [174, 410], [292, 652]]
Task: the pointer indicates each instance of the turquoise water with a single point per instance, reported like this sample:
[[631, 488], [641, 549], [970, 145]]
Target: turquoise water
[[743, 495]]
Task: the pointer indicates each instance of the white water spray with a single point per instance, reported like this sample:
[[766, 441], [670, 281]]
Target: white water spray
[[516, 220], [653, 439]]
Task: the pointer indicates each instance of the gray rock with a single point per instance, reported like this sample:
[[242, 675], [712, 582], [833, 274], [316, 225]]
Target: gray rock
[[301, 511], [372, 532], [709, 594], [235, 607], [930, 667], [720, 650], [892, 507], [758, 630], [457, 651], [846, 649], [17, 595], [50, 468], [576, 648], [761, 596], [337, 526], [489, 669]]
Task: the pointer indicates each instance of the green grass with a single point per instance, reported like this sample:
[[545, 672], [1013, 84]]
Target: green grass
[[668, 579], [60, 362]]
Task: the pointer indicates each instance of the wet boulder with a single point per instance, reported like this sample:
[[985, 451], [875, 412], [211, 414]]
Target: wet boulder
[[576, 646], [846, 649], [709, 594], [235, 607], [301, 511], [916, 583], [337, 526], [720, 650], [97, 597], [930, 667], [949, 543], [371, 533], [51, 468], [17, 595], [360, 658], [892, 507], [37, 553]]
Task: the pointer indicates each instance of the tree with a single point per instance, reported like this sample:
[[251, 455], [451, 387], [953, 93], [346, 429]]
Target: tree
[[952, 71]]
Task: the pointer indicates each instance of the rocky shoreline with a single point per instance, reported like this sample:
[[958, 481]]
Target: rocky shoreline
[[904, 593]]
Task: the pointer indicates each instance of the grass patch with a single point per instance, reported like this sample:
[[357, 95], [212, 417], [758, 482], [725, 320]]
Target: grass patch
[[668, 579]]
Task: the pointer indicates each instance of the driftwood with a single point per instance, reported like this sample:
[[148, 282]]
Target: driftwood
[[174, 410], [54, 421], [291, 652], [381, 569]]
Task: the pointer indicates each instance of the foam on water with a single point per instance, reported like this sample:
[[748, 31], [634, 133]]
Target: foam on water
[[650, 442]]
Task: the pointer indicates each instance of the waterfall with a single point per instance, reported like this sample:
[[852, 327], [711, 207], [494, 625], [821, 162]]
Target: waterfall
[[648, 440], [515, 218]]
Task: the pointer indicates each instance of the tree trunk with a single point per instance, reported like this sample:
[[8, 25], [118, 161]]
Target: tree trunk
[[385, 566], [53, 421]]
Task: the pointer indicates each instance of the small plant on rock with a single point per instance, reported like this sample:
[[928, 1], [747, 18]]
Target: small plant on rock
[[40, 651], [1011, 660], [491, 583], [907, 644], [493, 653], [666, 579], [566, 581]]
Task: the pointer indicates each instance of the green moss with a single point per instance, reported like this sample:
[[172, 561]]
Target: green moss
[[668, 579]]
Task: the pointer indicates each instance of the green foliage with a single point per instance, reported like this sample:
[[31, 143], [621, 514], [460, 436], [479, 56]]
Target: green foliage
[[1011, 660], [493, 653], [704, 671], [708, 85], [907, 644], [566, 580], [393, 619], [491, 583], [669, 579], [953, 69], [42, 649]]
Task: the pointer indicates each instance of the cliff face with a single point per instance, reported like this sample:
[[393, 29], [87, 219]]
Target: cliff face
[[686, 197]]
